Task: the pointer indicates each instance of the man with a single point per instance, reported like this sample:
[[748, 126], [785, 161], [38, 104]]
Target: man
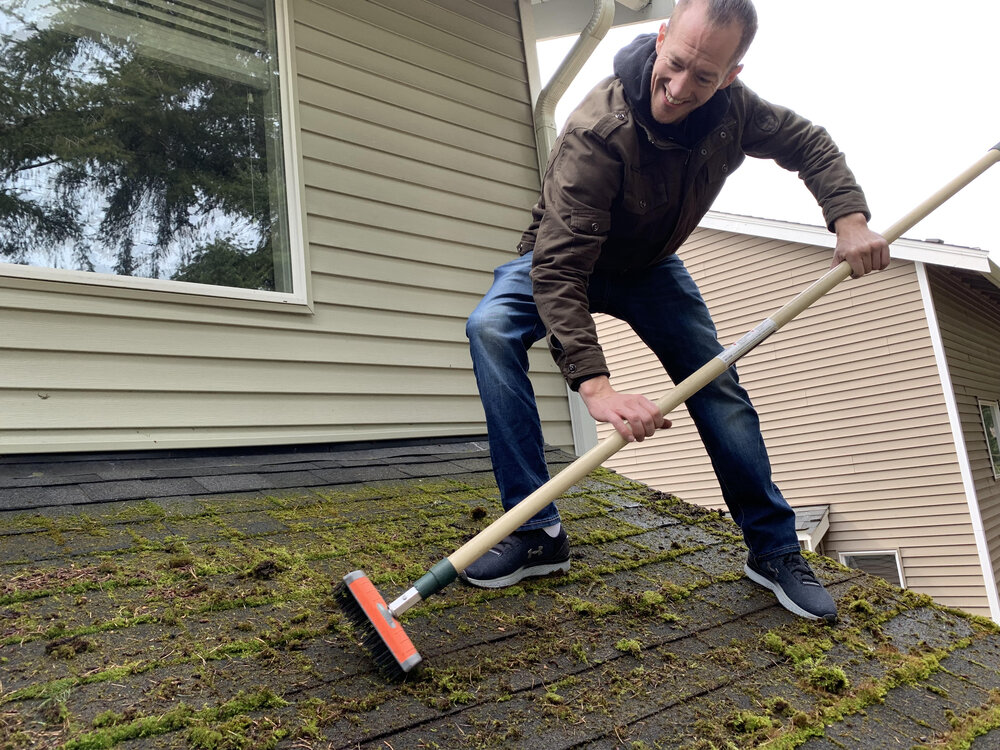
[[637, 165]]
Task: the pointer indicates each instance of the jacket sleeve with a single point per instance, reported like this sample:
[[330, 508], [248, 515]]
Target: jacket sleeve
[[583, 178], [796, 144]]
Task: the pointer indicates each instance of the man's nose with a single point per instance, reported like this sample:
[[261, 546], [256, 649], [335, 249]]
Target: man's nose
[[679, 86]]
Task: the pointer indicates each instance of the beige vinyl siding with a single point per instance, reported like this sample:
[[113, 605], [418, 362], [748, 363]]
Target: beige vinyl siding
[[970, 330], [419, 168], [851, 407]]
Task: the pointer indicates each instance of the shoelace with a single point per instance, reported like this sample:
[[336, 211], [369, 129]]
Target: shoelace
[[798, 567], [503, 545]]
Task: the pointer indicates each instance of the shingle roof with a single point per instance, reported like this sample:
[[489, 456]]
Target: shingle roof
[[170, 597]]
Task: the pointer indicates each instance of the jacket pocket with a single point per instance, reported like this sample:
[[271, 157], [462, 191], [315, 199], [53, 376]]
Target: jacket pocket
[[645, 191], [590, 221]]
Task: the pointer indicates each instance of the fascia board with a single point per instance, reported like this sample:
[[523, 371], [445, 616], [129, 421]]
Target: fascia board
[[918, 251]]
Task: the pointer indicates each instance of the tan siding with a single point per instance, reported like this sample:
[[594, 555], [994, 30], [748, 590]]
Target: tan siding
[[419, 166], [850, 401], [970, 330]]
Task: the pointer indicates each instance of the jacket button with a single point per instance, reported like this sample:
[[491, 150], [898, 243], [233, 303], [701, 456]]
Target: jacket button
[[595, 226], [704, 151], [642, 204], [722, 134], [571, 368], [620, 115], [725, 167]]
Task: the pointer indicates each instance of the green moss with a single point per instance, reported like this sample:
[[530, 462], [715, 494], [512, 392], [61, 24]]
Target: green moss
[[181, 717], [830, 679], [965, 728], [629, 646], [798, 649], [861, 607], [747, 722], [263, 601]]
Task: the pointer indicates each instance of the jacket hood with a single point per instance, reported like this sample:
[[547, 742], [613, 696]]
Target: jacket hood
[[633, 66]]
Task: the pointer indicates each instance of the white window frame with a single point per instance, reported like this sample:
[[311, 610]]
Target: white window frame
[[294, 206], [993, 407], [872, 553]]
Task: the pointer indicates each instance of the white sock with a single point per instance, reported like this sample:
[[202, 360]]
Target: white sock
[[553, 531]]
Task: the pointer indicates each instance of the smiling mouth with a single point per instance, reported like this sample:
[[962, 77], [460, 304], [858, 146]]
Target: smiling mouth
[[670, 99]]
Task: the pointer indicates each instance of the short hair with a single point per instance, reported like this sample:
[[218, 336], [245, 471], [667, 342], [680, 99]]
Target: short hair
[[724, 13]]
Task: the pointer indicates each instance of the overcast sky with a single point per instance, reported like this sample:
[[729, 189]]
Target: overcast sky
[[907, 88]]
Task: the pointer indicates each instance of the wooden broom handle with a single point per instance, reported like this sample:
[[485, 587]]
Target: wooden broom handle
[[585, 464]]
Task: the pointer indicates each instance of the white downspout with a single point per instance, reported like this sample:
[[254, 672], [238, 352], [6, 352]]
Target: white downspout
[[584, 427], [545, 106]]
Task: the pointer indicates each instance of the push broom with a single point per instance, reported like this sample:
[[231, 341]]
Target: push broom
[[383, 635]]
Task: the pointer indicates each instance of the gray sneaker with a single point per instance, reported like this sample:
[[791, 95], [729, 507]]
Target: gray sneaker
[[518, 556], [796, 586]]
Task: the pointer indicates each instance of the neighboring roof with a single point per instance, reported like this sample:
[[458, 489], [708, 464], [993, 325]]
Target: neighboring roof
[[203, 618], [811, 524], [934, 252]]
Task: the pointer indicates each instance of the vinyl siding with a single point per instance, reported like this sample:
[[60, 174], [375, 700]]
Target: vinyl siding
[[851, 408], [970, 330], [419, 170]]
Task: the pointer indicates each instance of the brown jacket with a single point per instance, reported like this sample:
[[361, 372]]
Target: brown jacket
[[616, 198]]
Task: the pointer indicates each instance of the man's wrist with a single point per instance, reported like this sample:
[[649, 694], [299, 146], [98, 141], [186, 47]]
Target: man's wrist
[[589, 378], [846, 221], [587, 385]]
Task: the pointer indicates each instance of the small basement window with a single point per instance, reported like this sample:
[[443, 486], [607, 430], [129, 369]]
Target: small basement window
[[884, 564], [990, 413]]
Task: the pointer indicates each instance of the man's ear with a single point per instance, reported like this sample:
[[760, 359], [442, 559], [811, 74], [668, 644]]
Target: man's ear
[[661, 36], [731, 76]]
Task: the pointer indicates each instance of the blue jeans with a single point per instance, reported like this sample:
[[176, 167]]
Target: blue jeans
[[664, 307]]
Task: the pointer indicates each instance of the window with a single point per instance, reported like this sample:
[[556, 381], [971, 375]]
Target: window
[[144, 140], [990, 413], [885, 564]]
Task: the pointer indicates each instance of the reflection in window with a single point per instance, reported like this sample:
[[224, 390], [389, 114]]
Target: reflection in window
[[990, 413], [143, 139], [882, 564]]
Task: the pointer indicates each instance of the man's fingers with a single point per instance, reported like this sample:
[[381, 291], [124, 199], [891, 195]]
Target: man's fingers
[[647, 420], [622, 426]]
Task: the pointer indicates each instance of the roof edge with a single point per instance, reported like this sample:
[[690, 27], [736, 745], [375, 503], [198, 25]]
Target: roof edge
[[919, 251]]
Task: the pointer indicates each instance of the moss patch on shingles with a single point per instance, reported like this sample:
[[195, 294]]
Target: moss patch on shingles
[[210, 625]]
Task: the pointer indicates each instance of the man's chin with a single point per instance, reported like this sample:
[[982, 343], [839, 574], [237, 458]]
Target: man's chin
[[670, 117]]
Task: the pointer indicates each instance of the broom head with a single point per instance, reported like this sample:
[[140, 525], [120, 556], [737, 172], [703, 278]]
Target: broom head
[[383, 636]]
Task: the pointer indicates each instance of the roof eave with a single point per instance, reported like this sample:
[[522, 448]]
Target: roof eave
[[918, 251]]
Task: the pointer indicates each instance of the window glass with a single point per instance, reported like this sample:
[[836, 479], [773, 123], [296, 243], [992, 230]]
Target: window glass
[[990, 412], [143, 140], [882, 564]]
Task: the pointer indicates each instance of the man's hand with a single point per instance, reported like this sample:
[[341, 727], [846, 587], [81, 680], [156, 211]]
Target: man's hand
[[633, 415], [864, 249]]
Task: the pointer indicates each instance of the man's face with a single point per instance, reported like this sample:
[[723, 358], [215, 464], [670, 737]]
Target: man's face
[[694, 59]]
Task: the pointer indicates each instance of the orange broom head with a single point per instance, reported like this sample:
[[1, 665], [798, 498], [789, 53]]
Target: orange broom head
[[384, 637]]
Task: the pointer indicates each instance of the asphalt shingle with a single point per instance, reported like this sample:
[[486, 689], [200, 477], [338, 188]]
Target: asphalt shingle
[[192, 604]]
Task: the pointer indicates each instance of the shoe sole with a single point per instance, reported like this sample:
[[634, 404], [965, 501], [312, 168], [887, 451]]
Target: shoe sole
[[783, 597], [518, 575]]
